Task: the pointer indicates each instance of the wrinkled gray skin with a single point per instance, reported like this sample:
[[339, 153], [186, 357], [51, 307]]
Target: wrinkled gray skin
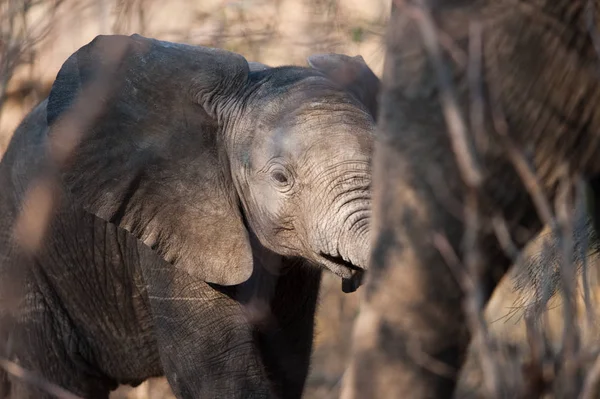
[[194, 218]]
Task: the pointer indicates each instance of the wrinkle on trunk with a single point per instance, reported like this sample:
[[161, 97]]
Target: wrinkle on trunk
[[342, 216], [357, 247]]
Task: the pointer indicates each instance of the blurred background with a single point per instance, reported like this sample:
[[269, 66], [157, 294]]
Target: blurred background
[[37, 36]]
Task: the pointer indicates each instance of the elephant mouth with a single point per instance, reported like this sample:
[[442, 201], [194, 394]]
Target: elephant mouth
[[351, 274]]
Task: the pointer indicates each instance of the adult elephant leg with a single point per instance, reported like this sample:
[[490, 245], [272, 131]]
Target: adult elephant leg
[[206, 343], [411, 334]]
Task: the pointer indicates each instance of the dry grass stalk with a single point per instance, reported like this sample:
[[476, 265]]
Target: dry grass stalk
[[33, 379]]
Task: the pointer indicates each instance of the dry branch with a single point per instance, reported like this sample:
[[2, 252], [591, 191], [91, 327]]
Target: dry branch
[[28, 377]]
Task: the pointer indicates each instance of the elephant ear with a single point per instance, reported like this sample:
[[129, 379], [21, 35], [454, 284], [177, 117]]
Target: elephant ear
[[353, 74], [151, 156]]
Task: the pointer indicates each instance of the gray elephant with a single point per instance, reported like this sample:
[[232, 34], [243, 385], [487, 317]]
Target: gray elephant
[[191, 221]]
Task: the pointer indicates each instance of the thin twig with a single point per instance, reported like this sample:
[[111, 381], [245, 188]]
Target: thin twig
[[584, 250], [570, 334], [591, 385], [32, 378], [503, 235], [457, 128]]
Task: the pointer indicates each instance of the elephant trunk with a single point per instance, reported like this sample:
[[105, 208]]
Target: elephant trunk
[[358, 253], [356, 248], [342, 241], [352, 245]]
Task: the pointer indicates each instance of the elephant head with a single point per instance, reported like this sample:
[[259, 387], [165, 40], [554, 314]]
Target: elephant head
[[194, 151]]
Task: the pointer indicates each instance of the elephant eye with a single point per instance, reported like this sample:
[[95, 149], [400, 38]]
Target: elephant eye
[[279, 176]]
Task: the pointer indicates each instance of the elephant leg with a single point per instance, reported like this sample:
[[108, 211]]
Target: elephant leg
[[48, 360], [206, 344], [412, 332], [285, 341]]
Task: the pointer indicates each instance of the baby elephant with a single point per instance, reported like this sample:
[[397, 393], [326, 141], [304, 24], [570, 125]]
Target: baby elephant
[[193, 200]]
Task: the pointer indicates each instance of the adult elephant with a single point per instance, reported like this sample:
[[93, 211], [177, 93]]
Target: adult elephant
[[197, 200], [476, 94]]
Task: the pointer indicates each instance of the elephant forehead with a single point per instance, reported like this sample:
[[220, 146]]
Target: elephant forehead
[[330, 126], [341, 130], [287, 139], [263, 147], [322, 144]]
